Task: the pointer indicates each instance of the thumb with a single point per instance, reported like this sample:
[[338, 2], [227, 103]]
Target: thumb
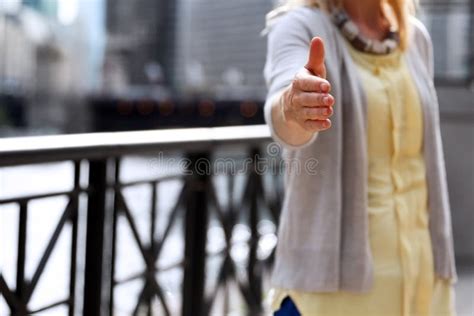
[[315, 62]]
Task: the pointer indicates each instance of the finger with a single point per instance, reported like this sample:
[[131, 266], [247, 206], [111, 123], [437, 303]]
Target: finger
[[313, 99], [317, 125], [311, 83], [315, 62], [319, 113]]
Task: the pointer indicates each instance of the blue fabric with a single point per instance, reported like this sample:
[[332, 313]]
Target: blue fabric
[[287, 308]]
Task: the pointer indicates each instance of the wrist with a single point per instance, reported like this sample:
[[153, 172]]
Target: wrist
[[284, 113]]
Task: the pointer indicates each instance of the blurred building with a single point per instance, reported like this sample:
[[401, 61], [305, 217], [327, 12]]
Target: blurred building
[[452, 29], [53, 55], [219, 47], [139, 53], [201, 46]]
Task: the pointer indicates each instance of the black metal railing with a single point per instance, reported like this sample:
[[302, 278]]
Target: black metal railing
[[101, 155]]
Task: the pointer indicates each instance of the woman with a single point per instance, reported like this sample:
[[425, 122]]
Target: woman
[[351, 84]]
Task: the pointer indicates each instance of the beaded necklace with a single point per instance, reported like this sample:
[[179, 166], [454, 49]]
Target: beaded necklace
[[352, 33]]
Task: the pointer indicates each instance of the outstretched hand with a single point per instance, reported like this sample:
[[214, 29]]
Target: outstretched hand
[[307, 101]]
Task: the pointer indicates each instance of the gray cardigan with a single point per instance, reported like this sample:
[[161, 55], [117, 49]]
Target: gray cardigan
[[323, 243]]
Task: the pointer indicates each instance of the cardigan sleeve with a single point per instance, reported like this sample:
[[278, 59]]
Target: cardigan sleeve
[[440, 209], [288, 41], [423, 38]]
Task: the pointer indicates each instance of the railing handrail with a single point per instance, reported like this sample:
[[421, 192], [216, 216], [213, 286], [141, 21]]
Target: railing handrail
[[38, 149]]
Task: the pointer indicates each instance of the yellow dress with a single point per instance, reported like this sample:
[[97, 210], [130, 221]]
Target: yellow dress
[[404, 280]]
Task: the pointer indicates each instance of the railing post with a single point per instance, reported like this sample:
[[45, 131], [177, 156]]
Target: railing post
[[195, 235], [21, 261], [95, 238], [254, 266], [74, 235]]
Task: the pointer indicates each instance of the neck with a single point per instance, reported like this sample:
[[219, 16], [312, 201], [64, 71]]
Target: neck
[[368, 16], [366, 11]]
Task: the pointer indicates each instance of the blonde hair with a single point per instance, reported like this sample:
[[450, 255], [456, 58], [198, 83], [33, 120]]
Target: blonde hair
[[396, 11]]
